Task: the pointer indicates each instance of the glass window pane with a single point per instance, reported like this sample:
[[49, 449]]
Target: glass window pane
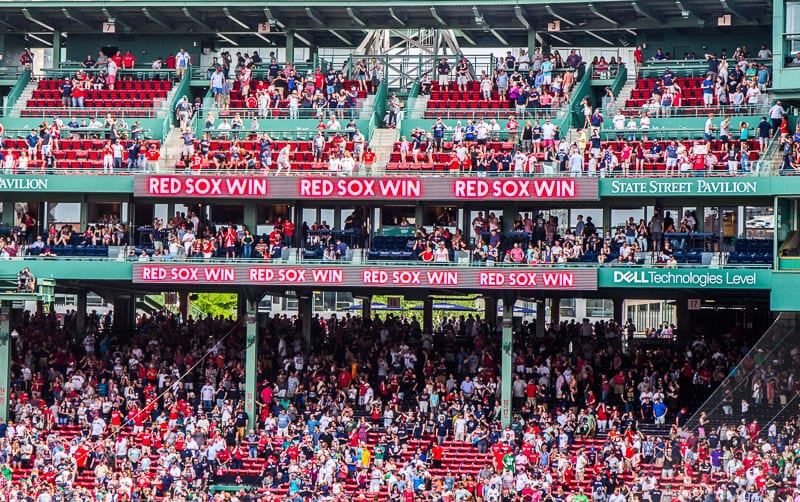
[[64, 212]]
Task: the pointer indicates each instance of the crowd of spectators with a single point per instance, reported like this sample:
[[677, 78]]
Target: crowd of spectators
[[368, 411], [537, 238]]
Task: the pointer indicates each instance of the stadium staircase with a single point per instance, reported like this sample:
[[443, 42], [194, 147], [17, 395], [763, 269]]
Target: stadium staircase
[[22, 101], [770, 355], [382, 143]]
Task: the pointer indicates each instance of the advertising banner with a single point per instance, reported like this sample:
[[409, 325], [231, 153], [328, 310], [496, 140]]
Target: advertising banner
[[676, 278], [412, 188], [676, 187], [441, 277]]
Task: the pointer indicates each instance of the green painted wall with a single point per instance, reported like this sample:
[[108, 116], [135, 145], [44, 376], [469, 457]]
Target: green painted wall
[[146, 48], [714, 38]]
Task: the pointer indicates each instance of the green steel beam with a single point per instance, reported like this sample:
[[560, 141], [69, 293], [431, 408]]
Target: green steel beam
[[5, 356], [251, 362], [97, 4], [506, 361]]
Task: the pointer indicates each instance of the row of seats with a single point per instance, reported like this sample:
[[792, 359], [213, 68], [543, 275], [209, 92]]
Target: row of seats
[[90, 103], [124, 85], [92, 95], [752, 251], [73, 144], [72, 250]]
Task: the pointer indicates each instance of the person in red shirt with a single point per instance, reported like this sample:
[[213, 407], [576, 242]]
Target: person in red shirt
[[116, 419], [170, 62], [437, 454], [128, 60], [288, 233], [152, 155], [117, 58], [197, 161]]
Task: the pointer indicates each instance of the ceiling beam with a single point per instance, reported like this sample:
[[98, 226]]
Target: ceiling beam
[[68, 15], [645, 12], [355, 18], [29, 17], [521, 17], [562, 40], [466, 37], [271, 19], [45, 42], [599, 14], [499, 37], [401, 21], [313, 16], [112, 18], [229, 40], [726, 4], [685, 11], [550, 10], [435, 15], [598, 37], [197, 21], [149, 15], [230, 16]]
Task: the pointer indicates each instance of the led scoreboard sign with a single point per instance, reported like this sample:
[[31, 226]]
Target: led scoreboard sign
[[386, 188], [443, 277]]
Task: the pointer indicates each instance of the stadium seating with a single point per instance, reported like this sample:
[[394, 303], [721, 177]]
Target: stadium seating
[[129, 94], [751, 252]]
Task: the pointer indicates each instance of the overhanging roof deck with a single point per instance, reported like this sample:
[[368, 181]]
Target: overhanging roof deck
[[506, 18]]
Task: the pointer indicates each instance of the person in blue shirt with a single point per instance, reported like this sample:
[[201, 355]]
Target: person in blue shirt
[[708, 91], [654, 155], [32, 140], [469, 132], [438, 134]]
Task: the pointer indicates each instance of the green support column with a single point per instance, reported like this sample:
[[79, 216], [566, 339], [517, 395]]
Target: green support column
[[251, 362], [490, 312], [619, 310], [305, 309], [80, 319], [290, 46], [5, 356], [541, 320], [555, 310], [506, 362], [56, 48], [366, 307], [251, 217], [427, 315], [418, 214], [8, 213], [84, 212], [778, 44], [531, 43]]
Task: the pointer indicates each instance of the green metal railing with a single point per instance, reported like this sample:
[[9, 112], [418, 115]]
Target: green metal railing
[[685, 68], [68, 70], [16, 91], [181, 89]]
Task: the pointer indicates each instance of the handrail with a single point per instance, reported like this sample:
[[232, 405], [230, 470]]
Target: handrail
[[16, 91], [658, 111], [178, 91], [420, 170], [69, 112], [284, 113], [67, 132], [68, 70], [493, 113], [570, 265], [685, 68]]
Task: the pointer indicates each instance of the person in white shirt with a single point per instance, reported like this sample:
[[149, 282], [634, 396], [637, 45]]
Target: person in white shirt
[[182, 62], [334, 165], [619, 120], [283, 159], [442, 254], [520, 160], [188, 241], [575, 163]]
